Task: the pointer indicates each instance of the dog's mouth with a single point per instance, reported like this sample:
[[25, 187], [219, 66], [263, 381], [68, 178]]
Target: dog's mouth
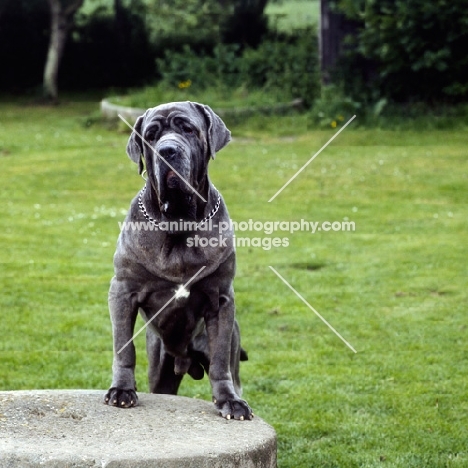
[[173, 181], [176, 198]]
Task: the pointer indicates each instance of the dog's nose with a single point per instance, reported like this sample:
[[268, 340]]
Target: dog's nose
[[168, 150]]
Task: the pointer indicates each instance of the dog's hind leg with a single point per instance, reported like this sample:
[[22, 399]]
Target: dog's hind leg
[[161, 375]]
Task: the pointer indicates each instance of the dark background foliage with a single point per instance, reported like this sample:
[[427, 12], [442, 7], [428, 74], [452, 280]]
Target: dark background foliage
[[118, 47], [408, 50], [402, 51], [24, 39]]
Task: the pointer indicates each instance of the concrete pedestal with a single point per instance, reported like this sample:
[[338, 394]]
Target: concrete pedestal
[[73, 428]]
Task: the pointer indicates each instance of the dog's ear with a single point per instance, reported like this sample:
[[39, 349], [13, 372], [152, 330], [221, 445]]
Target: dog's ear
[[218, 135], [135, 144]]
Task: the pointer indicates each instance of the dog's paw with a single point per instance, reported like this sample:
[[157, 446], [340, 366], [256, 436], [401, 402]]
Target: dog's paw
[[122, 398], [234, 409]]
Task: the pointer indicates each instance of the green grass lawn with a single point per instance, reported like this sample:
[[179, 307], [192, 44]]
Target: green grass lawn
[[286, 15], [395, 288]]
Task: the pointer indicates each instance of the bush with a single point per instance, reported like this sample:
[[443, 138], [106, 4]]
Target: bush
[[203, 70], [416, 49], [284, 66], [333, 109]]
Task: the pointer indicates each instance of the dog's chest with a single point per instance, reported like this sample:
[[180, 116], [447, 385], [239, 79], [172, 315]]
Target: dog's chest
[[177, 262], [177, 319], [181, 292], [175, 311]]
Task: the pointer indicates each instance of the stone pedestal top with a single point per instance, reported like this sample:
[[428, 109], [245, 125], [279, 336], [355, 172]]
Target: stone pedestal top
[[74, 428]]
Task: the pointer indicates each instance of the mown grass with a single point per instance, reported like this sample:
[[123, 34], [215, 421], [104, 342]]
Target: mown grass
[[284, 14], [287, 15], [395, 288]]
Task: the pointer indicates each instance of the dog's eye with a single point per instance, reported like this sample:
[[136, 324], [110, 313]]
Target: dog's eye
[[150, 135], [187, 129]]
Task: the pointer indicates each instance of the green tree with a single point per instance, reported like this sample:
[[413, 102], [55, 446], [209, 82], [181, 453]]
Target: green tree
[[184, 21], [416, 48], [208, 21]]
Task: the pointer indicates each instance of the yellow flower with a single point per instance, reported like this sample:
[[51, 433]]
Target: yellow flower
[[340, 118], [333, 124], [184, 84]]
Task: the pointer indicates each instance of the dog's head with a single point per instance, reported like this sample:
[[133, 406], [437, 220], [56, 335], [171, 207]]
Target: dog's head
[[175, 142]]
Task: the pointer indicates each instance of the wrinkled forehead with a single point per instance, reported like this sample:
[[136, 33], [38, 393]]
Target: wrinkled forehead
[[170, 111]]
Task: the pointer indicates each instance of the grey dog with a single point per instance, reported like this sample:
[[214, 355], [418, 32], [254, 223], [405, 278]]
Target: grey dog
[[184, 291]]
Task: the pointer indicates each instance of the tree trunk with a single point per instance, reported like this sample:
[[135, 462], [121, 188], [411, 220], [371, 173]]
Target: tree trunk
[[330, 37], [60, 22], [334, 27]]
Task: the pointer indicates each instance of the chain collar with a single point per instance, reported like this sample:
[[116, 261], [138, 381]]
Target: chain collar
[[156, 223]]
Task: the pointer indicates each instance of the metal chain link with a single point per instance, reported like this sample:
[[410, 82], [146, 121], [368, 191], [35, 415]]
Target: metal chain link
[[156, 224]]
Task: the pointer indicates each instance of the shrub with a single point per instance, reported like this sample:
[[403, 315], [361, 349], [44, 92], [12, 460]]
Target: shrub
[[285, 66], [203, 70], [416, 49], [333, 108]]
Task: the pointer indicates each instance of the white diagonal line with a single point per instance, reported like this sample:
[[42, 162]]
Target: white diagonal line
[[312, 158], [312, 309], [160, 310], [159, 156]]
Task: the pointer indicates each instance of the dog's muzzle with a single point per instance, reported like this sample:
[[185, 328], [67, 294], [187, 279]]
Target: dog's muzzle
[[172, 180], [175, 194]]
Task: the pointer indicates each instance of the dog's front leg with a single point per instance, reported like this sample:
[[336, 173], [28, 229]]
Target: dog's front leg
[[220, 329], [123, 310]]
